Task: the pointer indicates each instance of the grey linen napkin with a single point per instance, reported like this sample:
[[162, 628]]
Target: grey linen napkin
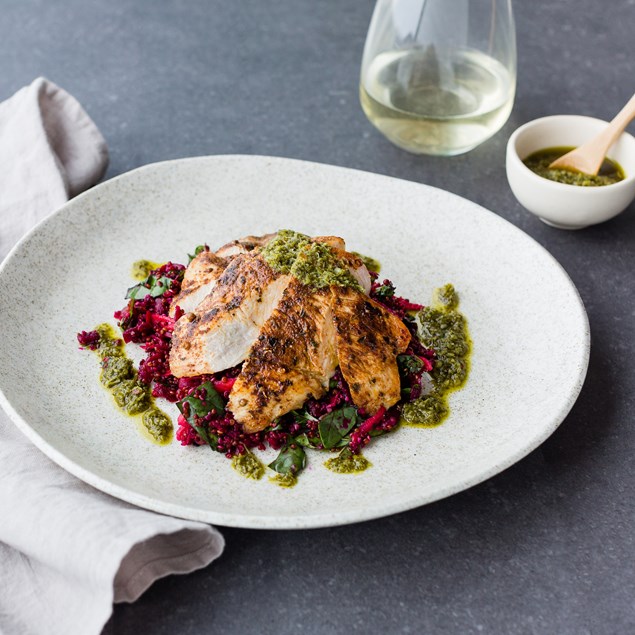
[[67, 551]]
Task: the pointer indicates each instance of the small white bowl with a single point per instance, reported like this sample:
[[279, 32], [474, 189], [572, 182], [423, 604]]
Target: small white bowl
[[558, 204]]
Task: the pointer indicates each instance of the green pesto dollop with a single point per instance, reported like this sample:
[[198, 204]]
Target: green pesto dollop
[[445, 331], [280, 252], [312, 263], [158, 425], [114, 369], [428, 411], [131, 395], [539, 162], [443, 328], [248, 465], [109, 344], [284, 480], [141, 268], [348, 463], [445, 297]]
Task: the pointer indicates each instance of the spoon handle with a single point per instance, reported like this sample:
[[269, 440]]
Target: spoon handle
[[607, 138], [588, 157]]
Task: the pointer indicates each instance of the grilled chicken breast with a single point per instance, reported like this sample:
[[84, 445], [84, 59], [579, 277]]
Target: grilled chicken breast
[[198, 281], [368, 339], [291, 336], [293, 358], [221, 330]]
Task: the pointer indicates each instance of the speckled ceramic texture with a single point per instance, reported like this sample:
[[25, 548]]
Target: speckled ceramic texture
[[528, 324]]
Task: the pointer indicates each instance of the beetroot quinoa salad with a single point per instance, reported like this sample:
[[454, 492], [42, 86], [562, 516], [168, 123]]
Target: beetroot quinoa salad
[[434, 364]]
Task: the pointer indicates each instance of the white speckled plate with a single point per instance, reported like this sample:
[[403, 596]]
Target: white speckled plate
[[528, 324]]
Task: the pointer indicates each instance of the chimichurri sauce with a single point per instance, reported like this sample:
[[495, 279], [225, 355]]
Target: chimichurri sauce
[[248, 465], [443, 328], [348, 463], [284, 480], [141, 268], [539, 162], [312, 263], [132, 396]]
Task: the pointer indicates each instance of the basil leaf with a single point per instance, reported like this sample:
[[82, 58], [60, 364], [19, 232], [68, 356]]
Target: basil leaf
[[138, 292], [209, 437], [409, 363], [302, 416], [336, 425], [291, 460], [151, 286], [307, 442], [199, 407], [160, 286], [197, 251]]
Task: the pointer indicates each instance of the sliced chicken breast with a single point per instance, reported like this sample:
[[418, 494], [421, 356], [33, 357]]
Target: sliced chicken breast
[[357, 268], [368, 339], [198, 281], [293, 358], [221, 330], [243, 245]]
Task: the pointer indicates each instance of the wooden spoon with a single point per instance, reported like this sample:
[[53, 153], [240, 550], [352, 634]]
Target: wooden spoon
[[588, 157]]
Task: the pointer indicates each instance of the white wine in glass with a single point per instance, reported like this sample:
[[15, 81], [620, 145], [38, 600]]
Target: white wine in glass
[[439, 76]]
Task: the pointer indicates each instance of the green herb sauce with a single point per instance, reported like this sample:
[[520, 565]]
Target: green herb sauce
[[539, 162], [312, 263], [347, 463], [157, 424], [284, 480], [248, 465], [133, 397], [141, 269], [443, 328]]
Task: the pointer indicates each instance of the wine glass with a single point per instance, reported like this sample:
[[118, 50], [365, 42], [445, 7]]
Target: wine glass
[[439, 76]]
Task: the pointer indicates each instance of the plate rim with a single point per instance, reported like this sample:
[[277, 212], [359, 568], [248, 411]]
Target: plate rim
[[289, 522]]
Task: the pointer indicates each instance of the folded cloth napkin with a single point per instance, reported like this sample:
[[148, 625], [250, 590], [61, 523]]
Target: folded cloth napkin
[[67, 551]]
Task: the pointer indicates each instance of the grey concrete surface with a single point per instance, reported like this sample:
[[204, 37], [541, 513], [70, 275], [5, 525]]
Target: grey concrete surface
[[545, 547]]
